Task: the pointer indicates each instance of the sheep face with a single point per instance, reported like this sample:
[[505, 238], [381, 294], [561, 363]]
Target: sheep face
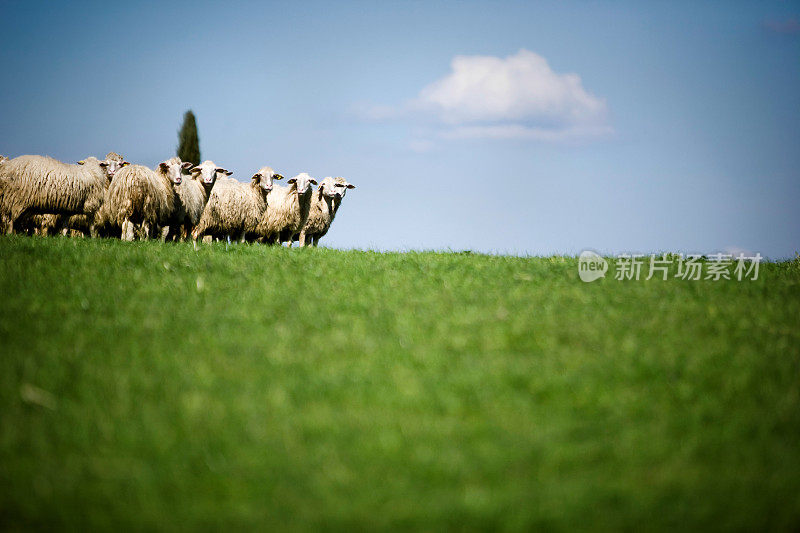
[[207, 173], [264, 178], [327, 187], [172, 170], [108, 169], [111, 167], [340, 187], [113, 163], [303, 181]]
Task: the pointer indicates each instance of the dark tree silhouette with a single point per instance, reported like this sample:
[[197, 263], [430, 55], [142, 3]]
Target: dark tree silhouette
[[188, 141]]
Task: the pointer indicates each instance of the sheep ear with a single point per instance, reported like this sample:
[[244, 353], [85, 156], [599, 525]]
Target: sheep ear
[[163, 166], [124, 163], [256, 177], [223, 171], [187, 165], [81, 162], [103, 164], [291, 180], [350, 186], [277, 177], [313, 181]]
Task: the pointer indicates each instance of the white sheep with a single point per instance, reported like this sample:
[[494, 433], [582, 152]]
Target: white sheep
[[192, 196], [33, 184], [324, 205], [287, 210], [115, 162], [142, 197], [235, 209]]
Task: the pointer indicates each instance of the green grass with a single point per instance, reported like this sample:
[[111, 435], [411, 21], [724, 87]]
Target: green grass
[[148, 386]]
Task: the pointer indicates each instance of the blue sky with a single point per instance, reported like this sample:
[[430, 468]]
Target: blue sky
[[459, 122]]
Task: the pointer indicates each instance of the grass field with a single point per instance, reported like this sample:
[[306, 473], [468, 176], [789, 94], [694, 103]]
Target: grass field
[[148, 386]]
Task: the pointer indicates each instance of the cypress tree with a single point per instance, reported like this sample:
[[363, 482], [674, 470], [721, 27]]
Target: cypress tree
[[188, 141]]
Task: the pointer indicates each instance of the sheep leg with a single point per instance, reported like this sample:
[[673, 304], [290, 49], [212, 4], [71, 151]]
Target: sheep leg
[[197, 233], [302, 239], [12, 219], [316, 240], [148, 230], [127, 230]]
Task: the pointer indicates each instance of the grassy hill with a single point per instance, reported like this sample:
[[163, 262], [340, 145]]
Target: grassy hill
[[148, 386]]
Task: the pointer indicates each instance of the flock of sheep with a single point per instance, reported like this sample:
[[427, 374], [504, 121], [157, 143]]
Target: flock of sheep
[[112, 198]]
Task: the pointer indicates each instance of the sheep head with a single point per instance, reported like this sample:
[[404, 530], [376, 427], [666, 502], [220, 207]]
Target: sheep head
[[264, 178], [340, 186], [207, 173], [109, 166], [172, 169], [302, 181], [113, 163], [3, 159]]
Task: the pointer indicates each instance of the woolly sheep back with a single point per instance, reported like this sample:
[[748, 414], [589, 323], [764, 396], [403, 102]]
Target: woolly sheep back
[[39, 184], [286, 213], [139, 196]]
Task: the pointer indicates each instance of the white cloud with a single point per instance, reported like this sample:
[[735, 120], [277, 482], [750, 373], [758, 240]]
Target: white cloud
[[518, 131], [514, 97]]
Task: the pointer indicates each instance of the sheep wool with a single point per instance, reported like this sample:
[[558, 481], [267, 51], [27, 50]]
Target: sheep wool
[[192, 196], [234, 209], [324, 205], [33, 184], [287, 210], [142, 197]]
